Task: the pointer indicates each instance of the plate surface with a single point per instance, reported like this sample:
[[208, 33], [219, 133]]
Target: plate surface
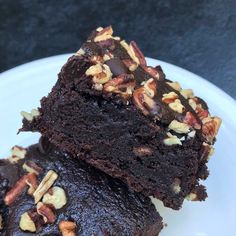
[[22, 87]]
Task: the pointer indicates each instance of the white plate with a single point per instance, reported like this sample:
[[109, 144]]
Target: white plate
[[22, 87]]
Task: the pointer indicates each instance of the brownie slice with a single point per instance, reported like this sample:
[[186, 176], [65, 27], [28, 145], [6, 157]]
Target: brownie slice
[[109, 108], [85, 200]]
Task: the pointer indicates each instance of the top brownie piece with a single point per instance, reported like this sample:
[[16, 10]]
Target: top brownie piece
[[125, 118]]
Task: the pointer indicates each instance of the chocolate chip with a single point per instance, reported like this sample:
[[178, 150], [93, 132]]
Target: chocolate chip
[[44, 145], [117, 67]]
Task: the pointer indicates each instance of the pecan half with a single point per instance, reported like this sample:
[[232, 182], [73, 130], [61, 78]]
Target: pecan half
[[46, 212], [150, 87], [130, 51], [67, 228], [138, 53], [45, 185], [186, 93]]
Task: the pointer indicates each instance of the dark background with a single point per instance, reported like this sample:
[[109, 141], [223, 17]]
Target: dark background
[[199, 35]]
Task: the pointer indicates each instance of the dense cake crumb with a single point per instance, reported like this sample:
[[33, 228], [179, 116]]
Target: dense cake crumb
[[124, 117]]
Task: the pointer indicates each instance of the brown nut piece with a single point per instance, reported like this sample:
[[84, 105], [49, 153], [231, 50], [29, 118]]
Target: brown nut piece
[[150, 87], [130, 64], [103, 34], [179, 127], [56, 197], [123, 84], [191, 120], [26, 223], [130, 51], [169, 97], [67, 228], [17, 153], [137, 52], [146, 104], [45, 185], [32, 182], [32, 167], [152, 71], [15, 191], [46, 212], [210, 128]]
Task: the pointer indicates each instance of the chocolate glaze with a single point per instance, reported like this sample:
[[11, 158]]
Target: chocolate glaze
[[98, 204]]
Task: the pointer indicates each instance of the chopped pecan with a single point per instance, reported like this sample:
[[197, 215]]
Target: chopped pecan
[[130, 51], [16, 190], [174, 85], [210, 128], [186, 93], [80, 52], [130, 64], [179, 127], [30, 116], [202, 114], [17, 153], [32, 182], [46, 212], [192, 197], [101, 73], [152, 71], [176, 186], [67, 228], [123, 84], [191, 120], [176, 106], [146, 104], [56, 197], [104, 34], [32, 167], [26, 223], [169, 97], [172, 140], [138, 53], [45, 184], [150, 87]]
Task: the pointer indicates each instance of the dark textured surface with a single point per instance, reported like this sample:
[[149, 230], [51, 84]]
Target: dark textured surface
[[198, 35], [100, 205]]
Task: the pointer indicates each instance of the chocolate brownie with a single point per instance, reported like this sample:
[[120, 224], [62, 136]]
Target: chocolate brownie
[[45, 190], [109, 108]]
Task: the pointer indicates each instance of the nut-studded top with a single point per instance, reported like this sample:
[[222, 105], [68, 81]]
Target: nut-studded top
[[119, 69]]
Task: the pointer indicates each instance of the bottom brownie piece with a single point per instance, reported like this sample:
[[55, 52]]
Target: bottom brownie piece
[[45, 191]]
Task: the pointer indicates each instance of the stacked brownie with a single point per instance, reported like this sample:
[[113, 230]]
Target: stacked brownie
[[112, 110], [116, 131]]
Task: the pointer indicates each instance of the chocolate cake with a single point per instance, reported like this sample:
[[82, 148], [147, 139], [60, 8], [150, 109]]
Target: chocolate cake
[[45, 191], [109, 108]]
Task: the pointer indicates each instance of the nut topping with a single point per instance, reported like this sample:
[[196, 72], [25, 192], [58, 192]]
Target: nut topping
[[174, 85], [32, 167], [176, 106], [191, 120], [150, 87], [172, 140], [176, 186], [67, 228], [187, 93], [137, 52], [146, 104], [152, 71], [130, 51], [101, 73], [192, 197], [123, 84], [169, 97], [30, 116], [16, 190], [104, 34], [80, 52], [46, 212], [45, 184], [179, 127], [32, 182], [56, 197], [210, 128], [130, 64], [17, 153], [26, 223]]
